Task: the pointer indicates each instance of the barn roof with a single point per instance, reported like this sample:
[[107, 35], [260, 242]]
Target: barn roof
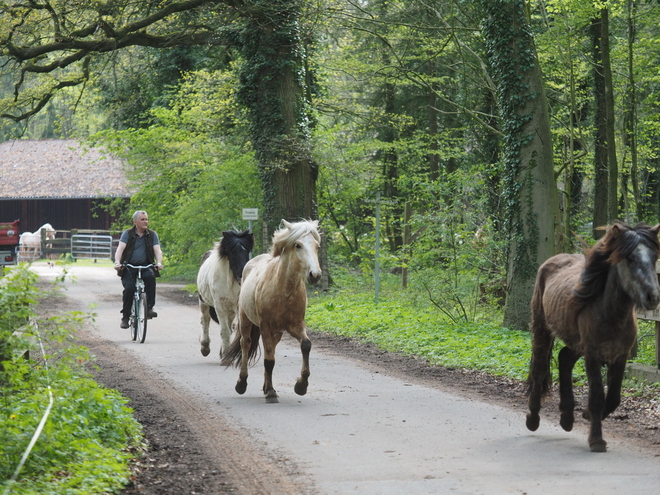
[[58, 169]]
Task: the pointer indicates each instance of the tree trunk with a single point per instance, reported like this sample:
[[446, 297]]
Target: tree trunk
[[630, 114], [433, 129], [601, 168], [530, 188], [272, 88], [613, 175]]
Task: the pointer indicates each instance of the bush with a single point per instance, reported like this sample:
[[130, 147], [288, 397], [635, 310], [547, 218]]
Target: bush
[[89, 435]]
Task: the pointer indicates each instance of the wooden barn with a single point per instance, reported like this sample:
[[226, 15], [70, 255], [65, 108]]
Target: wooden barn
[[59, 182]]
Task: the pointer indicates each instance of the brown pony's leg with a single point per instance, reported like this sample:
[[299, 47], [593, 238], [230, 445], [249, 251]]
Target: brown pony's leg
[[615, 373], [538, 382], [596, 404], [305, 347], [567, 359], [245, 329], [270, 341]]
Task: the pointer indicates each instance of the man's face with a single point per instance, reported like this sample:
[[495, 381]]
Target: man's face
[[142, 222]]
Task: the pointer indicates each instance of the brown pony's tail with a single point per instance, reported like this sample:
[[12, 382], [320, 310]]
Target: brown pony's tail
[[234, 354], [542, 340]]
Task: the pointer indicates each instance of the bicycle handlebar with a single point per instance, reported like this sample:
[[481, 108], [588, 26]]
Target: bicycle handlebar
[[144, 267]]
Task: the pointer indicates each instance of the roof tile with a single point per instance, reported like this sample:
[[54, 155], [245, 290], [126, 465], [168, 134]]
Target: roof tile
[[58, 168]]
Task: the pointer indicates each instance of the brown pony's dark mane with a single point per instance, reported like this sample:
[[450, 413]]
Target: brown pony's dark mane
[[618, 243]]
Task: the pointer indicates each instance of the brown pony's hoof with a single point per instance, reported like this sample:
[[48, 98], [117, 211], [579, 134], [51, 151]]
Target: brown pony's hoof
[[566, 421], [598, 446], [300, 388], [205, 351], [241, 386], [532, 422], [271, 396]]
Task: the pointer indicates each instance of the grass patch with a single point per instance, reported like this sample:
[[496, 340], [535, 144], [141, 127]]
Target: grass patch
[[406, 322], [394, 324]]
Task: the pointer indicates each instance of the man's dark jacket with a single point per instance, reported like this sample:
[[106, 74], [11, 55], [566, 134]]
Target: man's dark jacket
[[130, 245]]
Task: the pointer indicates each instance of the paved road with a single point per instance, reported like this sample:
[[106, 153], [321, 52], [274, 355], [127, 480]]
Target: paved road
[[359, 431]]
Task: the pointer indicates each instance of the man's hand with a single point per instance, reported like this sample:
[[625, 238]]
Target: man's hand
[[118, 266]]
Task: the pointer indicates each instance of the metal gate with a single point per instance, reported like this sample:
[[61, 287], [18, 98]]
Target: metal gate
[[91, 246]]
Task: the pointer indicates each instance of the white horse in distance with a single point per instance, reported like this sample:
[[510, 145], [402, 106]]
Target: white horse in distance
[[29, 243]]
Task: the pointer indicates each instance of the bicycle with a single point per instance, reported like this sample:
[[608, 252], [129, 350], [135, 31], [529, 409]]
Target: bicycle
[[139, 310]]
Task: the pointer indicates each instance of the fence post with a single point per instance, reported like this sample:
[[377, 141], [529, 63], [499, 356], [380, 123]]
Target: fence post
[[265, 238], [325, 276], [406, 242]]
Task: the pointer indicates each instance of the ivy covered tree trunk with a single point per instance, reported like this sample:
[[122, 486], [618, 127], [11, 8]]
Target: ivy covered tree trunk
[[601, 169], [272, 89], [530, 192]]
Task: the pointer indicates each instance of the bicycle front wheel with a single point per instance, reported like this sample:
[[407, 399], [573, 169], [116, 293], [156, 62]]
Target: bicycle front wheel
[[142, 318], [133, 320]]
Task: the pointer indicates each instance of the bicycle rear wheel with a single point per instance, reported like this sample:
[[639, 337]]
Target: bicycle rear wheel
[[142, 318]]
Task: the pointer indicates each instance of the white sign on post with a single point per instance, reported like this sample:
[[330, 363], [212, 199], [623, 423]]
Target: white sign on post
[[250, 214]]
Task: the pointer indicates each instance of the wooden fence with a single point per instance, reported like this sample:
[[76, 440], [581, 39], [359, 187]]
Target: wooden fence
[[653, 316], [55, 248]]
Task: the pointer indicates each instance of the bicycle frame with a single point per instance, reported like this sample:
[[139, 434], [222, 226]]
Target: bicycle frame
[[138, 318]]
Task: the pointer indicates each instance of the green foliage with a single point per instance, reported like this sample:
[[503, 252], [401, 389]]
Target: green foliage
[[406, 322], [90, 434], [191, 168], [402, 322], [646, 343]]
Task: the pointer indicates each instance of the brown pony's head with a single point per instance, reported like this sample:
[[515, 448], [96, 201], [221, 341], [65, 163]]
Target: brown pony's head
[[286, 237], [301, 240], [635, 247]]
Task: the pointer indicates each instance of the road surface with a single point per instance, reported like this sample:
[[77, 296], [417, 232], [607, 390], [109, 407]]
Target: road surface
[[358, 430]]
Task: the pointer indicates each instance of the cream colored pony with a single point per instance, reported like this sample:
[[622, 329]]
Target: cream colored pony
[[273, 300]]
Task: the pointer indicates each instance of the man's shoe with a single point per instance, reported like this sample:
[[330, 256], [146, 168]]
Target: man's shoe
[[124, 323], [151, 314]]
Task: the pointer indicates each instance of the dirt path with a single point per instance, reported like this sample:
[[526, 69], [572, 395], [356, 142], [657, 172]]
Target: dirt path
[[194, 448], [190, 451]]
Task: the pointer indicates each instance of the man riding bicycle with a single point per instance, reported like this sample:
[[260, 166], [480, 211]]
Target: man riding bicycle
[[138, 246]]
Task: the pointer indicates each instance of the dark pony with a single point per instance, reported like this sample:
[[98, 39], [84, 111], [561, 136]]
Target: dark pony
[[588, 302], [218, 284]]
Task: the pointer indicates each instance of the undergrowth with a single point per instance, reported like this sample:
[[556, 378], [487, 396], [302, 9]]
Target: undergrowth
[[405, 321], [89, 435]]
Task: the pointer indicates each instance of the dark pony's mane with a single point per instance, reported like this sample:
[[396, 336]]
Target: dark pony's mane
[[618, 243], [232, 244]]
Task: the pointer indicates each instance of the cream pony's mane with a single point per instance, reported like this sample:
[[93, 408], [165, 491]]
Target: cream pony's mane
[[286, 237]]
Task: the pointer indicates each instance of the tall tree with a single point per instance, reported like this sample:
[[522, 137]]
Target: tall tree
[[530, 189], [630, 113], [606, 170], [272, 88], [48, 47]]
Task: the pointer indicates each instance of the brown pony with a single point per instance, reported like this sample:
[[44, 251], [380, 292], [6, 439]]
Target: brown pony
[[273, 300], [589, 302]]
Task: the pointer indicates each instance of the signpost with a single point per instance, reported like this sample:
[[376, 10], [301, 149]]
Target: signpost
[[250, 214], [378, 202]]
